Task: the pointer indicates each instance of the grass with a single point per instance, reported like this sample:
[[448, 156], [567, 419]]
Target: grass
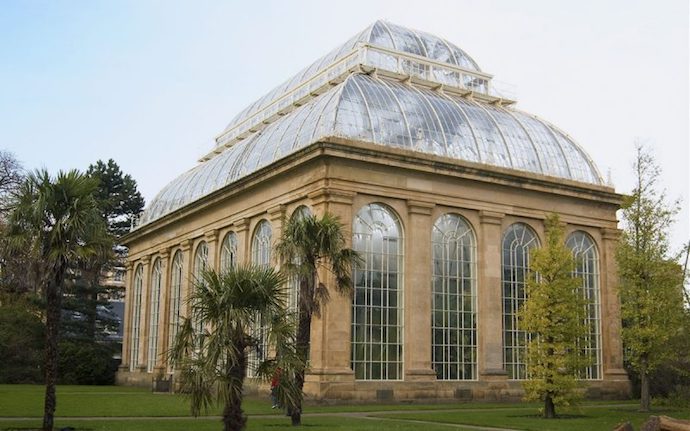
[[115, 408]]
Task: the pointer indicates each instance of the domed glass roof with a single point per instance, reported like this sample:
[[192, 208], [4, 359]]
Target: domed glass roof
[[394, 114]]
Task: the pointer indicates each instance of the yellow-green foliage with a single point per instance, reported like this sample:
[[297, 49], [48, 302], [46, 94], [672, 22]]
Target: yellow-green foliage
[[554, 316]]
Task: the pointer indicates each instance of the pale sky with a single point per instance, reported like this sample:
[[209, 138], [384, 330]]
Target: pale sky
[[150, 83]]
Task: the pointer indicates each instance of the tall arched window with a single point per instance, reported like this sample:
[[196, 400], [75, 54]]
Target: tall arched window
[[377, 345], [587, 268], [200, 264], [136, 317], [293, 282], [228, 252], [517, 242], [261, 255], [156, 282], [453, 303], [175, 315]]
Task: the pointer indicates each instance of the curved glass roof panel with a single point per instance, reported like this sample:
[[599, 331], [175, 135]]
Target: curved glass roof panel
[[391, 114]]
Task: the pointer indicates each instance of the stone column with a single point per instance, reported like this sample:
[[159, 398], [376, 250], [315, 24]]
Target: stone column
[[330, 348], [163, 313], [144, 315], [126, 324], [489, 298], [612, 345], [417, 293]]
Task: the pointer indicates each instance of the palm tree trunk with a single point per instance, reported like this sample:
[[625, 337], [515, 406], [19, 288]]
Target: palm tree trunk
[[53, 311], [303, 338], [234, 418]]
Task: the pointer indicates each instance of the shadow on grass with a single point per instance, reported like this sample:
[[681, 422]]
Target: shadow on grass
[[558, 417]]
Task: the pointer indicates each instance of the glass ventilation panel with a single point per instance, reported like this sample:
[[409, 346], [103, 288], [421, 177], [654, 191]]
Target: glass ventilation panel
[[136, 318], [200, 265], [377, 315], [261, 255], [156, 284], [454, 299], [587, 268], [175, 310], [228, 252], [518, 240]]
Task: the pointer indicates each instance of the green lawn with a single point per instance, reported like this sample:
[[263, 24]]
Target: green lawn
[[132, 409]]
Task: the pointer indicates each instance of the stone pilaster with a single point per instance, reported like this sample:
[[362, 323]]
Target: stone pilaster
[[241, 228], [211, 238], [163, 313], [276, 215], [612, 345], [144, 315], [127, 325], [417, 293], [330, 349], [187, 278], [489, 302]]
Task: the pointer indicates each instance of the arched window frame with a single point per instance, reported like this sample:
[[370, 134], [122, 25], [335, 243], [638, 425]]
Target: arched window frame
[[454, 299], [175, 309], [154, 315], [586, 257], [377, 308], [261, 252], [516, 244], [228, 252], [293, 283], [136, 317], [200, 265]]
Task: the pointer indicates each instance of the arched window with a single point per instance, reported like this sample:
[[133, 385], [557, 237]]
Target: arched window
[[261, 255], [200, 264], [228, 252], [261, 243], [156, 282], [377, 318], [587, 268], [293, 283], [517, 242], [175, 315], [136, 317], [453, 302]]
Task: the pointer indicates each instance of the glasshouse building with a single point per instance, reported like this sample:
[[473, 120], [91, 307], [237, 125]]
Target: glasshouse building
[[443, 187]]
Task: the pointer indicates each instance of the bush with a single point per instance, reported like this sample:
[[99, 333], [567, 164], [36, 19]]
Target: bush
[[22, 336], [86, 363]]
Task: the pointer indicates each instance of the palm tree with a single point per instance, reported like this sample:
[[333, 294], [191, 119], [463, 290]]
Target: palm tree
[[58, 223], [307, 245], [213, 363]]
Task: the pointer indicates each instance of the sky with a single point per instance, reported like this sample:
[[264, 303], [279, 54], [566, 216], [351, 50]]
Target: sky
[[151, 83]]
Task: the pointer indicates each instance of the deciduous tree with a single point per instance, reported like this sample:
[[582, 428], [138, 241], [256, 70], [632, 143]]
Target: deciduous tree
[[650, 283], [554, 316]]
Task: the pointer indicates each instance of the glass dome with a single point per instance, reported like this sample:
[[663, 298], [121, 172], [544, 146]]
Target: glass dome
[[392, 114]]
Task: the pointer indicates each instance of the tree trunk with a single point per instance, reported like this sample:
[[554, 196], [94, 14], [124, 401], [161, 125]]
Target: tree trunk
[[645, 401], [234, 418], [53, 312], [303, 339], [549, 408]]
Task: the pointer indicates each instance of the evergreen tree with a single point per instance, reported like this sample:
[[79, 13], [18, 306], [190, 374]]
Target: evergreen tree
[[118, 198], [553, 315], [650, 283]]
